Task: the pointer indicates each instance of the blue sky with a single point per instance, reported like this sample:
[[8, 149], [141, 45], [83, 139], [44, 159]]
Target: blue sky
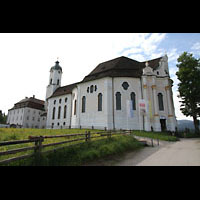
[[174, 44], [27, 57]]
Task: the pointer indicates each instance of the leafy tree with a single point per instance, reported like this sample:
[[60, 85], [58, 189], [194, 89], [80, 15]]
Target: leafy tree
[[3, 118], [189, 86]]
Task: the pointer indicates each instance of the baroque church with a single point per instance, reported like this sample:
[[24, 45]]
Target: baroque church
[[99, 101]]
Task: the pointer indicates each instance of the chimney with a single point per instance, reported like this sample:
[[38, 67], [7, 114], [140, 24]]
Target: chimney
[[33, 96]]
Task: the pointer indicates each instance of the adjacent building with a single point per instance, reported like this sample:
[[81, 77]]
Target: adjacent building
[[27, 113]]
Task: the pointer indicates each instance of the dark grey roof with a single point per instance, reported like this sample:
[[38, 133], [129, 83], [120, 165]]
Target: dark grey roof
[[63, 90], [120, 67], [56, 66], [29, 102]]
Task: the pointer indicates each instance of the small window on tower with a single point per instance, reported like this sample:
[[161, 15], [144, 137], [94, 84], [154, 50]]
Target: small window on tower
[[58, 82], [51, 81]]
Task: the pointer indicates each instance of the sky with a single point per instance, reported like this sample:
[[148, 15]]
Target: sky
[[26, 58]]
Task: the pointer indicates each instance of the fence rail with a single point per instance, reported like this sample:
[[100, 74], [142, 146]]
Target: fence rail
[[38, 146]]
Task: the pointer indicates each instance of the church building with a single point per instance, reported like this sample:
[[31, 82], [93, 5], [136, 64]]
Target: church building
[[100, 100]]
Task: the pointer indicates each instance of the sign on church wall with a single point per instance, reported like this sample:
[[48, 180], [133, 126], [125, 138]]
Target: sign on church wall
[[142, 106]]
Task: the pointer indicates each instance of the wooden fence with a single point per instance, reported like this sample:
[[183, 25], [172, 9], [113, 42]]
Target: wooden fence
[[38, 146]]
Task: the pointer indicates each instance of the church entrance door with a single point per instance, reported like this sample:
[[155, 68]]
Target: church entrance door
[[163, 124]]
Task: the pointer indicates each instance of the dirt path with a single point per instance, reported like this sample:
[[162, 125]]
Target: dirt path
[[185, 152]]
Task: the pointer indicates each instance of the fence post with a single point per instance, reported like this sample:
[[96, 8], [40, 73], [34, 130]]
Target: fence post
[[38, 148], [86, 136], [109, 134]]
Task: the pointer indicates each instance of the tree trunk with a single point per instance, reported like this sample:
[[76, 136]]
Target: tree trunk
[[196, 124]]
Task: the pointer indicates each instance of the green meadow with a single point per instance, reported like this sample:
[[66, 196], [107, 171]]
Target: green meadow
[[68, 155]]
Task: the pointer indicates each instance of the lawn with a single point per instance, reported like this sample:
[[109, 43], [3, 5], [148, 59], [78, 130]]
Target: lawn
[[74, 155], [155, 135], [83, 153], [8, 134]]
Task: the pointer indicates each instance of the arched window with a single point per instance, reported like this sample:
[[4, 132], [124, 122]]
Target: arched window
[[160, 101], [83, 103], [118, 101], [99, 102], [58, 82], [91, 88], [133, 100], [53, 115], [59, 109], [65, 111], [75, 107]]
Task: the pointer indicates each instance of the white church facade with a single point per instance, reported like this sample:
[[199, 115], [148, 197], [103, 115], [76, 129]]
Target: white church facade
[[99, 101]]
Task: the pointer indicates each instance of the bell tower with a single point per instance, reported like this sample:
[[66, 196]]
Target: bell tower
[[54, 79]]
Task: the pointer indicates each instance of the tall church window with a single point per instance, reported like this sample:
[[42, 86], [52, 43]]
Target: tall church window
[[59, 109], [118, 101], [133, 100], [51, 81], [91, 88], [99, 102], [75, 107], [83, 104], [53, 115], [65, 111], [58, 82], [160, 101]]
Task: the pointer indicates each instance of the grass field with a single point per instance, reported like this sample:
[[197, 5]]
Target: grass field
[[74, 155], [8, 134], [77, 154], [155, 135]]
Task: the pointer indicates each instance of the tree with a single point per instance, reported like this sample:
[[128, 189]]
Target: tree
[[189, 86], [3, 118]]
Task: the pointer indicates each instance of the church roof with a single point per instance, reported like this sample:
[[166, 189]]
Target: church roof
[[31, 102], [120, 67], [63, 90]]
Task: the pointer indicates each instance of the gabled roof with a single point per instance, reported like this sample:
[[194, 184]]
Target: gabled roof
[[63, 90], [120, 67]]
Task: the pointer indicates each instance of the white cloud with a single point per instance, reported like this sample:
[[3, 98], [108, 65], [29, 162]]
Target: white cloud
[[172, 55], [145, 44], [196, 46]]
